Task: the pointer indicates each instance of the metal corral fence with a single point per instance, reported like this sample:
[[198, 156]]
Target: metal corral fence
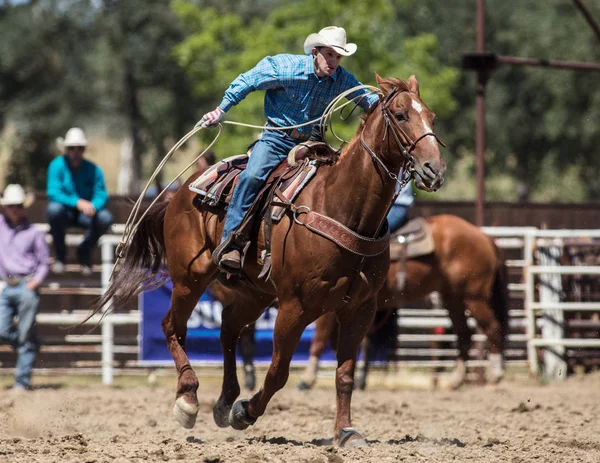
[[536, 313], [538, 300]]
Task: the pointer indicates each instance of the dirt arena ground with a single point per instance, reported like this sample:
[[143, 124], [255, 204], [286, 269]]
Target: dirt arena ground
[[79, 420]]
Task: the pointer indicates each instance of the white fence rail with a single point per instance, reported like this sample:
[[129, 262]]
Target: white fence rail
[[524, 238], [107, 245]]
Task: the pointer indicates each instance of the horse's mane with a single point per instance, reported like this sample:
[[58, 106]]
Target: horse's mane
[[393, 82]]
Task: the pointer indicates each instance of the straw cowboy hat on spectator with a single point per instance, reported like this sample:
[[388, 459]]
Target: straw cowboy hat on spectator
[[14, 195], [74, 137], [332, 37]]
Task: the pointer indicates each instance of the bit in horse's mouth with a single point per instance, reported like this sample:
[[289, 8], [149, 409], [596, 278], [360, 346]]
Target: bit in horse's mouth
[[422, 184]]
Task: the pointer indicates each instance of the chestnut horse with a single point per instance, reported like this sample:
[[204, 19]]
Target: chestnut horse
[[470, 275], [311, 274]]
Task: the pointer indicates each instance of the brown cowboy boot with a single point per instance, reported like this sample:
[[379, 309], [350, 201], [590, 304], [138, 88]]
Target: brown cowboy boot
[[231, 259]]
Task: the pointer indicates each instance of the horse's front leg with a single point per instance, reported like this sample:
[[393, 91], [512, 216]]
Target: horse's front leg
[[354, 326], [174, 326], [289, 325]]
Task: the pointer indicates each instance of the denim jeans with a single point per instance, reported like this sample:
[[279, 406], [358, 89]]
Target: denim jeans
[[272, 148], [397, 216], [21, 302], [60, 217]]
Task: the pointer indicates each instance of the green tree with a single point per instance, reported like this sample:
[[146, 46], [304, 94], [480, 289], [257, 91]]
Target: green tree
[[144, 85], [222, 44], [42, 91], [107, 63], [534, 115]]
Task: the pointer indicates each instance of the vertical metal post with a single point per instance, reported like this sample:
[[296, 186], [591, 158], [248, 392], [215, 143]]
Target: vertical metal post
[[107, 350], [482, 76], [107, 326], [555, 366], [107, 249], [529, 298]]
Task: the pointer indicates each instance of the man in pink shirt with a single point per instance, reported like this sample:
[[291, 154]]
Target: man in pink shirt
[[23, 267]]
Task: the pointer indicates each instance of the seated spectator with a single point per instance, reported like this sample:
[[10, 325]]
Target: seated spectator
[[23, 267], [398, 214], [77, 197]]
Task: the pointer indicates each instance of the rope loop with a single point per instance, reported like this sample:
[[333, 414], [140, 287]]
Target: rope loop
[[133, 221]]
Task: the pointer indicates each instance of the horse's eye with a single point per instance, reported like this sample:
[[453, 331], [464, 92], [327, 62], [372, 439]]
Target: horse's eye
[[401, 116]]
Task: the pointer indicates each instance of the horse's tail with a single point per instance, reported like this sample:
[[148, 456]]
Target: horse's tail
[[499, 297], [142, 267]]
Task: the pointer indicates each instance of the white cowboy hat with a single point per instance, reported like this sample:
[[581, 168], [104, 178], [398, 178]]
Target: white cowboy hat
[[15, 195], [332, 37], [75, 137]]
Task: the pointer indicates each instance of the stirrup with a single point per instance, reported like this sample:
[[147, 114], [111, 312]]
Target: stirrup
[[230, 242], [228, 260]]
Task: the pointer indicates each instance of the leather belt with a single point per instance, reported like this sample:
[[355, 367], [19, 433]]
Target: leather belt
[[12, 280], [294, 134]]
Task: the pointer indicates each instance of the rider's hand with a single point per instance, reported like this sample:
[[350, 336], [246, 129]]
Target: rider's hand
[[211, 119], [86, 207]]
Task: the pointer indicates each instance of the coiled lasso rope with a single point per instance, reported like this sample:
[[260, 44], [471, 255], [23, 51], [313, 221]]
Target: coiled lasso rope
[[133, 222]]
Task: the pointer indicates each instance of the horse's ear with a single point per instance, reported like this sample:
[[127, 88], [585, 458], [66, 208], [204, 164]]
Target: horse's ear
[[384, 84], [413, 85]]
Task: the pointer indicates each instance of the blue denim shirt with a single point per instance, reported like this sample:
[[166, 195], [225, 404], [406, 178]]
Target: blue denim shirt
[[294, 92]]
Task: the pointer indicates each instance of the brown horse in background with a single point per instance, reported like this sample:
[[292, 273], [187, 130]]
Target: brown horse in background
[[311, 274], [469, 273]]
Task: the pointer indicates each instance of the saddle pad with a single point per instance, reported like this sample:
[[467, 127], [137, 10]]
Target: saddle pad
[[213, 184], [216, 184], [418, 240], [292, 187]]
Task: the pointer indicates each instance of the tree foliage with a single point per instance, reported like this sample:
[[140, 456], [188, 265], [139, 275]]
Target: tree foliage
[[150, 69], [222, 44]]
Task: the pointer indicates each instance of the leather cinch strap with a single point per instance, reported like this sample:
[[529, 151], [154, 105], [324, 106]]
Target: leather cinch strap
[[340, 234]]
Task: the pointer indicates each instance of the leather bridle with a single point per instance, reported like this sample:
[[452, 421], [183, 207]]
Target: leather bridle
[[407, 147]]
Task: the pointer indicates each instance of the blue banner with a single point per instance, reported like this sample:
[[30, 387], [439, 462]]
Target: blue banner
[[203, 345]]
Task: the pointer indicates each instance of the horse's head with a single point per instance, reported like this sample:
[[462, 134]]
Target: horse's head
[[409, 124]]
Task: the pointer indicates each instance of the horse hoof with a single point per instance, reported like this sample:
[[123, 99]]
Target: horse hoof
[[349, 438], [238, 416], [185, 413], [221, 414], [303, 386]]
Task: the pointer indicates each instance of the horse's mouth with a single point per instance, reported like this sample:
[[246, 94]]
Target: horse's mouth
[[426, 183]]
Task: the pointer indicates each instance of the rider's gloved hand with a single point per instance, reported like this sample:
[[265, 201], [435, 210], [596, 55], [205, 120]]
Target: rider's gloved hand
[[211, 119]]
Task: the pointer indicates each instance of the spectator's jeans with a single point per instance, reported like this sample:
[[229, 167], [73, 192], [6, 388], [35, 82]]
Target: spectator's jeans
[[397, 216], [60, 217], [21, 302], [272, 148]]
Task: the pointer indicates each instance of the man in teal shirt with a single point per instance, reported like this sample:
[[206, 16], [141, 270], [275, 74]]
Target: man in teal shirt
[[77, 197]]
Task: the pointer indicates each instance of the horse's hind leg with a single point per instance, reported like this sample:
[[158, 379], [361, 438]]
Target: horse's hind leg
[[456, 311], [174, 325], [237, 314], [326, 328], [484, 315], [247, 345], [289, 326]]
